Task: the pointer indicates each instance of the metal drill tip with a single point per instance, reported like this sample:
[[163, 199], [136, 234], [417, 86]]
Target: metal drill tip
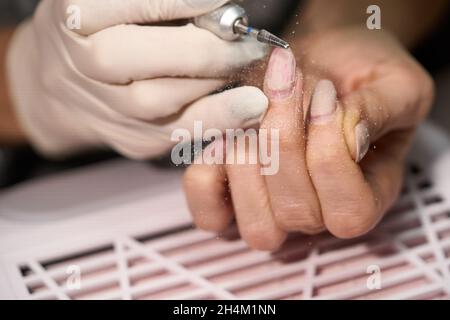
[[263, 36], [271, 39]]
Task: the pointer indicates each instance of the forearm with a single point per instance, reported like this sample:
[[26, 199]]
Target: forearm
[[408, 20], [10, 131]]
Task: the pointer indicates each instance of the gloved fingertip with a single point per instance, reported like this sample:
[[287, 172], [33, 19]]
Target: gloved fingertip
[[250, 105]]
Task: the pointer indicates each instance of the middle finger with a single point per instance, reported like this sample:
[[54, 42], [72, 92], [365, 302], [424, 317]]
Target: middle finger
[[292, 195]]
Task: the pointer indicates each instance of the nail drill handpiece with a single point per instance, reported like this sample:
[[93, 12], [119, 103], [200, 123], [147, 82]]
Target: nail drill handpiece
[[231, 21], [263, 36]]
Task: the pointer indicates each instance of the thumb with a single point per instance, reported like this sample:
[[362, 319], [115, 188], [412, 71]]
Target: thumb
[[101, 14], [397, 101]]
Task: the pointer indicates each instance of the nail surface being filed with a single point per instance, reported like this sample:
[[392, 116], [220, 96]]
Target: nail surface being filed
[[281, 74]]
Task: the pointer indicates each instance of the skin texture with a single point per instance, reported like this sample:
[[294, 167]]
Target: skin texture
[[368, 82]]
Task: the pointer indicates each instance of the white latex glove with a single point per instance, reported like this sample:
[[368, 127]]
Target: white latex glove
[[123, 81]]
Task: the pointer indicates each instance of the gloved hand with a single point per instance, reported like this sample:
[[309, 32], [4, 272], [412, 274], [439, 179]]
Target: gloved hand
[[123, 81]]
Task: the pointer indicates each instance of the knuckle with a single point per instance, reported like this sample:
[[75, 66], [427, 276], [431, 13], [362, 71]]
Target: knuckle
[[203, 211], [352, 222], [262, 238], [210, 224], [301, 218], [205, 218], [362, 104], [324, 160], [415, 76]]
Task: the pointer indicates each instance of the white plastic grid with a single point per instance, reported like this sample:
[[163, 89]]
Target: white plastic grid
[[175, 261]]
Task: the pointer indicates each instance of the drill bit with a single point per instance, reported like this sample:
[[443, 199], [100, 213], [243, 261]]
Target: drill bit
[[263, 36]]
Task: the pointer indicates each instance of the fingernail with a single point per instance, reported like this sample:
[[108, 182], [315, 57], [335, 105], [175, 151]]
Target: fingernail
[[280, 77], [323, 103], [362, 137]]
